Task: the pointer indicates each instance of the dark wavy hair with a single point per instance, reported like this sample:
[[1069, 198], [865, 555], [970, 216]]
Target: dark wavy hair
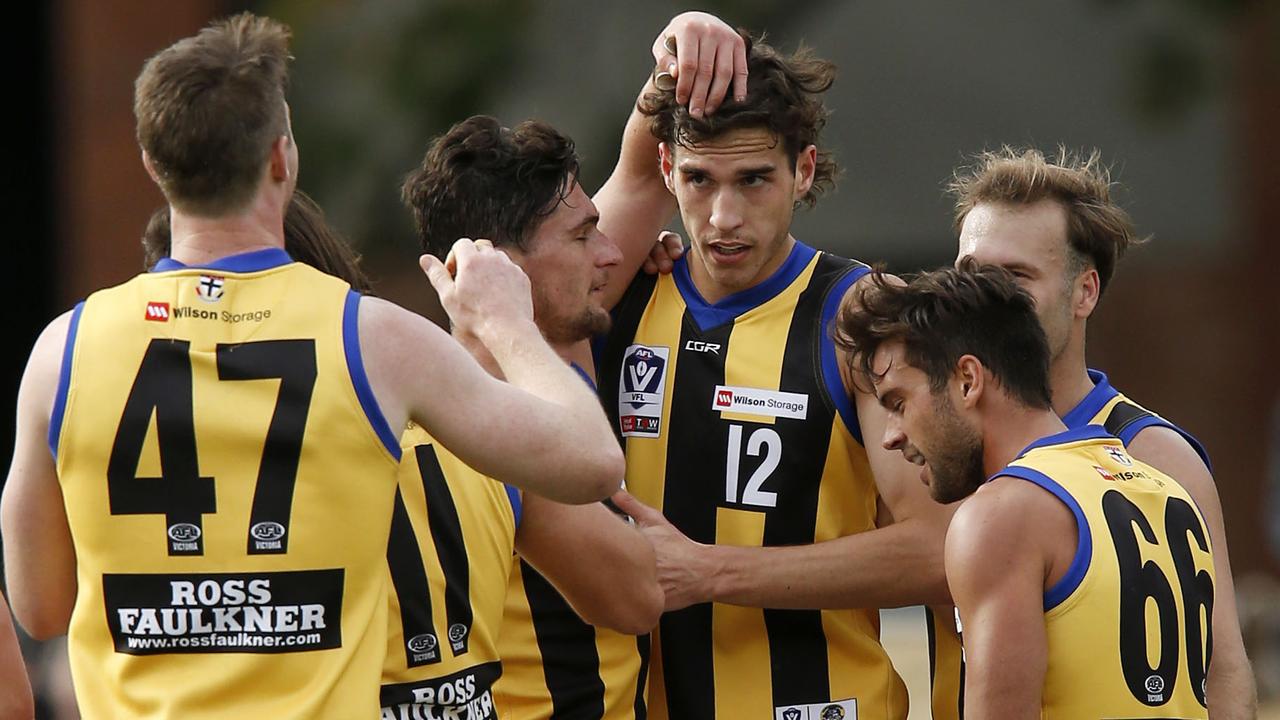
[[1098, 230], [483, 180], [308, 238], [943, 315], [784, 95]]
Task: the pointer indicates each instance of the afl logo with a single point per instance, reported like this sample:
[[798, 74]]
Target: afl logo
[[184, 532], [267, 531], [422, 643], [457, 631], [1155, 684]]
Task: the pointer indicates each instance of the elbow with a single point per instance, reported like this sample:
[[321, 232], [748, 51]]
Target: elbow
[[602, 478], [41, 626], [635, 614]]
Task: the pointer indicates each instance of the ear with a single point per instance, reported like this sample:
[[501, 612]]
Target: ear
[[971, 378], [1088, 287], [151, 169], [806, 166], [280, 158], [667, 163]]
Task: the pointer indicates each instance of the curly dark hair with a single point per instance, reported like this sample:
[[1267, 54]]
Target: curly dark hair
[[783, 94], [1098, 230], [482, 180], [943, 315]]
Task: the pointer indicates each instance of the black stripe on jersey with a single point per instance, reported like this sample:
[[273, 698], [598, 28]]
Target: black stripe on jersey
[[797, 642], [931, 632], [1123, 415], [451, 548], [409, 578], [642, 649], [692, 492], [570, 661], [626, 318]]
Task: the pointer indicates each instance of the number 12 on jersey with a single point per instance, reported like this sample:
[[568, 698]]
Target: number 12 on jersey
[[762, 442]]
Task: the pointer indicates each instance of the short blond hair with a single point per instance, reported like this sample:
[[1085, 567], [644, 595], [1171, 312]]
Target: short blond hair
[[1098, 230]]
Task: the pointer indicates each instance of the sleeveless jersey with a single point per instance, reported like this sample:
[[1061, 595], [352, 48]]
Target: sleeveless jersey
[[452, 535], [737, 427], [1128, 625], [557, 666], [1104, 406], [228, 480]]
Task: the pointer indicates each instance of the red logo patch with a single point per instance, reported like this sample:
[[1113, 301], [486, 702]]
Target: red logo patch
[[724, 398], [157, 312]]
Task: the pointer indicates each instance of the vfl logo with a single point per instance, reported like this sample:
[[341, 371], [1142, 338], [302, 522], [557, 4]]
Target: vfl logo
[[791, 714], [157, 312], [699, 346], [642, 390], [422, 643], [210, 288], [184, 532], [267, 531], [1119, 455]]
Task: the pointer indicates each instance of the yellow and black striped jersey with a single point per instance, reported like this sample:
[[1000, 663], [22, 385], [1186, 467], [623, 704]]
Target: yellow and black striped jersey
[[1103, 406], [228, 481], [557, 666], [738, 428], [452, 536], [1128, 625]]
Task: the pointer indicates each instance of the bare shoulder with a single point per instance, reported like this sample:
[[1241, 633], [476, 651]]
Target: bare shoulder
[[1167, 450], [46, 356], [1002, 516]]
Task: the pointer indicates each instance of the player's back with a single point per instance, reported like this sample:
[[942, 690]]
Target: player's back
[[228, 480], [1127, 626], [452, 540]]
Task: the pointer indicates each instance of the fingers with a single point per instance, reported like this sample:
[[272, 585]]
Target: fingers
[[705, 65], [638, 511], [723, 77], [437, 274], [664, 253]]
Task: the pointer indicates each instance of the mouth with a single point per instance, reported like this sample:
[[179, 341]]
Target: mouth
[[727, 251]]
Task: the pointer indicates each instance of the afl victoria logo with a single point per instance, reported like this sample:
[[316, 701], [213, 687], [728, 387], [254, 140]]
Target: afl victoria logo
[[184, 532], [422, 643], [1155, 684], [457, 631], [267, 531]]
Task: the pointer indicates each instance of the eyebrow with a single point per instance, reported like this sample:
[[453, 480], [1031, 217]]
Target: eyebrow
[[588, 221]]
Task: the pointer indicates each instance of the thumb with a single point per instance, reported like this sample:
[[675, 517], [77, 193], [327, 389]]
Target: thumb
[[436, 273], [640, 512]]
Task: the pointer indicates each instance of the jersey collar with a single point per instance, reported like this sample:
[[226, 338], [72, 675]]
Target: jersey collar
[[1091, 404], [1076, 434], [241, 263], [708, 315]]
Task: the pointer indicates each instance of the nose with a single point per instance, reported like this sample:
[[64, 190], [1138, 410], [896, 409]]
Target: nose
[[726, 210], [894, 438], [608, 253]]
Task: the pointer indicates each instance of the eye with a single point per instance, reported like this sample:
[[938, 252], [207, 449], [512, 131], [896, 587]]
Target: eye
[[753, 180], [696, 179]]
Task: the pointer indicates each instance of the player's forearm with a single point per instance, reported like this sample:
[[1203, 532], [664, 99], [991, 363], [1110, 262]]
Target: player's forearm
[[887, 567], [1230, 688]]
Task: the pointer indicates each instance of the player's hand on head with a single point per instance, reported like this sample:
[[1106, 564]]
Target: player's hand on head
[[706, 57], [480, 287], [665, 252]]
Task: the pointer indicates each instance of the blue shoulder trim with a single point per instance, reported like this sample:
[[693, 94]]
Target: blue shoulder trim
[[355, 366], [830, 364], [517, 506], [708, 315], [64, 382], [244, 262], [1092, 403], [585, 377], [1076, 434], [1130, 431], [1062, 589]]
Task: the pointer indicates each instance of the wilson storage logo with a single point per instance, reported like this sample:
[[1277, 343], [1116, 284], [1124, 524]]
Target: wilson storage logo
[[157, 312], [755, 401]]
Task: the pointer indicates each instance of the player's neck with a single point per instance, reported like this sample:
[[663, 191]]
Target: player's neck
[[1069, 380], [199, 240], [1012, 428]]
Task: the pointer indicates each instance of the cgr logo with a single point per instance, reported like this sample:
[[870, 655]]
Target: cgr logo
[[157, 312], [184, 532], [699, 346], [422, 643]]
